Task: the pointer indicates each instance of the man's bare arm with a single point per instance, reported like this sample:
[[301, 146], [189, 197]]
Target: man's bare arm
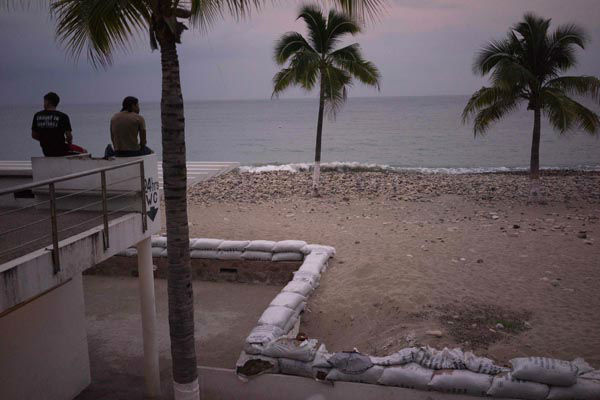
[[35, 135], [142, 137], [69, 136]]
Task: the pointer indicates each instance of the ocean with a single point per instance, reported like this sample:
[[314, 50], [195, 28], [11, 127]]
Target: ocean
[[413, 133]]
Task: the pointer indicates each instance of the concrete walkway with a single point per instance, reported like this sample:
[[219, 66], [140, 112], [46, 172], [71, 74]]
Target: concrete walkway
[[224, 315]]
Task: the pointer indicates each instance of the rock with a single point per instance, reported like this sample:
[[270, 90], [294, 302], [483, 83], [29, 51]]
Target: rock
[[495, 217], [480, 261], [582, 235], [515, 226], [499, 326], [438, 334]]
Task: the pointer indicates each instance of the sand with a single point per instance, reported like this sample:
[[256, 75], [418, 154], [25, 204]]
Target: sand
[[438, 252]]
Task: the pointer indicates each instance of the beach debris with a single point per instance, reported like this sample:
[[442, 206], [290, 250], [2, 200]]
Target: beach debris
[[435, 333], [499, 326]]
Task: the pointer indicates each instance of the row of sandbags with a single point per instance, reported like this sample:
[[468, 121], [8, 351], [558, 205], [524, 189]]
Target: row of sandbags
[[447, 371], [284, 311], [273, 347], [218, 249]]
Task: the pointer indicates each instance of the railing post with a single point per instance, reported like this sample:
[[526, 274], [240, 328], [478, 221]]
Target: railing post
[[55, 256], [143, 196], [105, 237]]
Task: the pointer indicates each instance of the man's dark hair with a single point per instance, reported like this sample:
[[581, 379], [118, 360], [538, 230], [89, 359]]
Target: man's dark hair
[[128, 103], [52, 98]]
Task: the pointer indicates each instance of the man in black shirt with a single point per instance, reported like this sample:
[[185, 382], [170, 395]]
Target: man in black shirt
[[52, 128]]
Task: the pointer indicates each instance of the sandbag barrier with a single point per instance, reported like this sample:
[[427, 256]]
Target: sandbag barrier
[[218, 249], [276, 346]]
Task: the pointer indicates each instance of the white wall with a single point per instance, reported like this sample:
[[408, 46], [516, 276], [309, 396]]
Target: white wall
[[43, 346]]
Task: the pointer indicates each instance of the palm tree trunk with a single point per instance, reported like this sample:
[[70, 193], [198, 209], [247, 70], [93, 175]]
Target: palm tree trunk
[[534, 168], [180, 293], [317, 167]]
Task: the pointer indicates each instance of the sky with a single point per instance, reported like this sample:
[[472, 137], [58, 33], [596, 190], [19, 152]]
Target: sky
[[422, 48]]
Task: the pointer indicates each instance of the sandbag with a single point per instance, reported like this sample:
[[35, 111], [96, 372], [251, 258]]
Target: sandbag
[[301, 287], [229, 255], [584, 389], [482, 365], [404, 356], [159, 241], [233, 245], [261, 245], [276, 316], [205, 244], [294, 319], [318, 368], [157, 251], [429, 357], [249, 365], [504, 385], [350, 362], [291, 348], [544, 370], [286, 299], [131, 252], [314, 264], [318, 249], [322, 357], [371, 375], [411, 376], [287, 256], [591, 375], [257, 255], [461, 382], [260, 336], [307, 277], [582, 366], [206, 254], [287, 246]]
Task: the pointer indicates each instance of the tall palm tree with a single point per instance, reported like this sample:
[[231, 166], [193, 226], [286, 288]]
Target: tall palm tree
[[316, 60], [98, 28], [526, 66]]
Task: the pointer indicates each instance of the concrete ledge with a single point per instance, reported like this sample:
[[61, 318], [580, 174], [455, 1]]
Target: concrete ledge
[[223, 384], [25, 277]]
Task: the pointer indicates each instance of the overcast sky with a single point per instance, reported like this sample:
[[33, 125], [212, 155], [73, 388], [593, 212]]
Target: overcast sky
[[422, 47]]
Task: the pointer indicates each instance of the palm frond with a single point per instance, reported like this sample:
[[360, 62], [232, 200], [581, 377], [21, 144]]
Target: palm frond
[[288, 45], [335, 82], [566, 114], [350, 59], [495, 52], [561, 46], [361, 10], [339, 24], [98, 27], [578, 86], [487, 97], [316, 26], [303, 71]]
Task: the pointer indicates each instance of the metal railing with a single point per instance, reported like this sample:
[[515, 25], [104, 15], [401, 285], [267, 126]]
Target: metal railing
[[52, 201]]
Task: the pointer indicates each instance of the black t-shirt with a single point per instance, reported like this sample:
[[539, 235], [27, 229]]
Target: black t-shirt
[[52, 126]]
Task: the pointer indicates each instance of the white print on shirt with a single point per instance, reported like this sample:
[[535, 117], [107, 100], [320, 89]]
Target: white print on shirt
[[47, 121]]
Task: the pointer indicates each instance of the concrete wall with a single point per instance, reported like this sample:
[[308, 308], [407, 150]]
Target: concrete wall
[[43, 346], [223, 384]]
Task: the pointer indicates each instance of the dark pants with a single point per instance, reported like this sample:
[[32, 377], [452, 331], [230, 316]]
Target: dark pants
[[144, 151]]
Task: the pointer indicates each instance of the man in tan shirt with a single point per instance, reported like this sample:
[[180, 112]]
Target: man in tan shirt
[[125, 127]]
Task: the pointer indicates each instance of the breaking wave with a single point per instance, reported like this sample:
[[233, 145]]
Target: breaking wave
[[353, 166]]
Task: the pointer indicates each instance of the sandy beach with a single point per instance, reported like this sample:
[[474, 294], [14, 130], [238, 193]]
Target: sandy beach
[[419, 253]]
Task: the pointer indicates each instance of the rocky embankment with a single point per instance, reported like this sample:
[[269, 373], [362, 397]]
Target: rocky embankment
[[247, 187]]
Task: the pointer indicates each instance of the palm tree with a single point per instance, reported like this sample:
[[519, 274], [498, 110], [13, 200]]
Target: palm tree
[[98, 28], [526, 66], [315, 61]]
